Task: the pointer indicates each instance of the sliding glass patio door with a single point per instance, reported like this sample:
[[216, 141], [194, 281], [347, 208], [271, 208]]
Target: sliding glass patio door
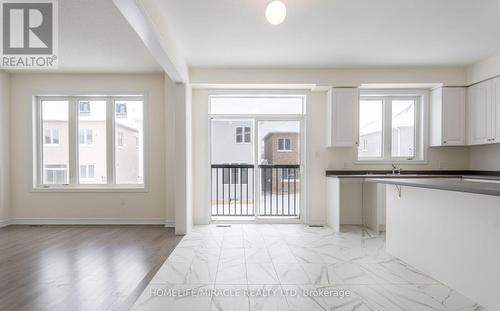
[[255, 168]]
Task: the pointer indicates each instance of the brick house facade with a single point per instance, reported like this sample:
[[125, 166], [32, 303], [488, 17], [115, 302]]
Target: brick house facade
[[281, 148]]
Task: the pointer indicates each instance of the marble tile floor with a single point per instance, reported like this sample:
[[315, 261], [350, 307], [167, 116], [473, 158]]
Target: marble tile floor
[[292, 267]]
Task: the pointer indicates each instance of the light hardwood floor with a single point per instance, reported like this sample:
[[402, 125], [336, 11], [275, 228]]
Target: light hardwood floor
[[79, 267]]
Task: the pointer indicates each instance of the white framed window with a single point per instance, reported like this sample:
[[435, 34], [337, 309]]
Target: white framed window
[[284, 144], [51, 136], [84, 138], [390, 128], [243, 135]]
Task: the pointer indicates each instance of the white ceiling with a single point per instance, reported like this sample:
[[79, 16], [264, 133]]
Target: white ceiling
[[94, 37], [335, 33]]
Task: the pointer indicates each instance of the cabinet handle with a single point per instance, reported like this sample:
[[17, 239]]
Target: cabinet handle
[[444, 142]]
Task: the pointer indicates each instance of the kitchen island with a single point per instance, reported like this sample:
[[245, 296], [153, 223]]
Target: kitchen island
[[449, 229]]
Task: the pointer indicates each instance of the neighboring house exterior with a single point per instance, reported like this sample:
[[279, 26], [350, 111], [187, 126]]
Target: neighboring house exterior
[[92, 151], [232, 142], [281, 148]]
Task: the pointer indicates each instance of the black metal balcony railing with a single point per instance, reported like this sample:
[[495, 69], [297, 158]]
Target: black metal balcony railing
[[233, 192], [280, 185]]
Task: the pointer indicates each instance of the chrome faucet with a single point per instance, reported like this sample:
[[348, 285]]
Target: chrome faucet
[[395, 169]]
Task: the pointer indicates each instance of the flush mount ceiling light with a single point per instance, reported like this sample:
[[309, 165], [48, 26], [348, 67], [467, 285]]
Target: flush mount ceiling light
[[276, 12]]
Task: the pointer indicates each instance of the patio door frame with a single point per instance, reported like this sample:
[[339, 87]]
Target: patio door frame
[[256, 118]]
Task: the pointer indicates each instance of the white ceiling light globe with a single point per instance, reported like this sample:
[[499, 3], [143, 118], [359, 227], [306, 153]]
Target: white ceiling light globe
[[276, 12]]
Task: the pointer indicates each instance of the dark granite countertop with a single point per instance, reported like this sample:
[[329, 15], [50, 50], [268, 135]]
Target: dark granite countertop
[[481, 186]]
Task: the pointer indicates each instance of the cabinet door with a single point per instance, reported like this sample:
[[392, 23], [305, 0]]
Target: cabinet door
[[453, 115], [496, 108], [345, 103], [480, 113]]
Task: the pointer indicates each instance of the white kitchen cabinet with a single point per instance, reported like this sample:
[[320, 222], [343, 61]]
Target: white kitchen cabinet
[[496, 108], [342, 117], [448, 110], [481, 113]]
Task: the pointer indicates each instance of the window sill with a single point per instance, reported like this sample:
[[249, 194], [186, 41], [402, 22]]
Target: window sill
[[90, 189]]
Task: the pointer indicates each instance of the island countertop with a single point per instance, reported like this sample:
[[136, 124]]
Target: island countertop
[[478, 186], [336, 173]]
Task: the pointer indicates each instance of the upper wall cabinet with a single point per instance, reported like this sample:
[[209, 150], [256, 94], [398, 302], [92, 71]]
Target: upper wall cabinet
[[447, 118], [342, 117], [496, 108], [482, 118]]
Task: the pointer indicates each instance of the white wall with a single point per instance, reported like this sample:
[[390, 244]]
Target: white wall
[[485, 157], [183, 159], [28, 206], [484, 69], [328, 77], [169, 122], [4, 148], [201, 155], [448, 158]]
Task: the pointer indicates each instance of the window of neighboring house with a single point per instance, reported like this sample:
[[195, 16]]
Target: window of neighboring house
[[389, 128], [364, 145], [124, 168], [121, 110], [119, 140], [84, 107], [55, 174], [86, 137], [289, 173], [232, 176], [87, 171], [243, 135], [51, 136], [284, 144]]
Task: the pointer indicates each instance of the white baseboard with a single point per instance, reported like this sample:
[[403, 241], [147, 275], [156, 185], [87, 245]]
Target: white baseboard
[[91, 221], [5, 223]]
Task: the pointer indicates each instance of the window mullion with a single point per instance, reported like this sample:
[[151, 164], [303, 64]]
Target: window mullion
[[73, 141], [387, 128], [39, 143], [110, 141]]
